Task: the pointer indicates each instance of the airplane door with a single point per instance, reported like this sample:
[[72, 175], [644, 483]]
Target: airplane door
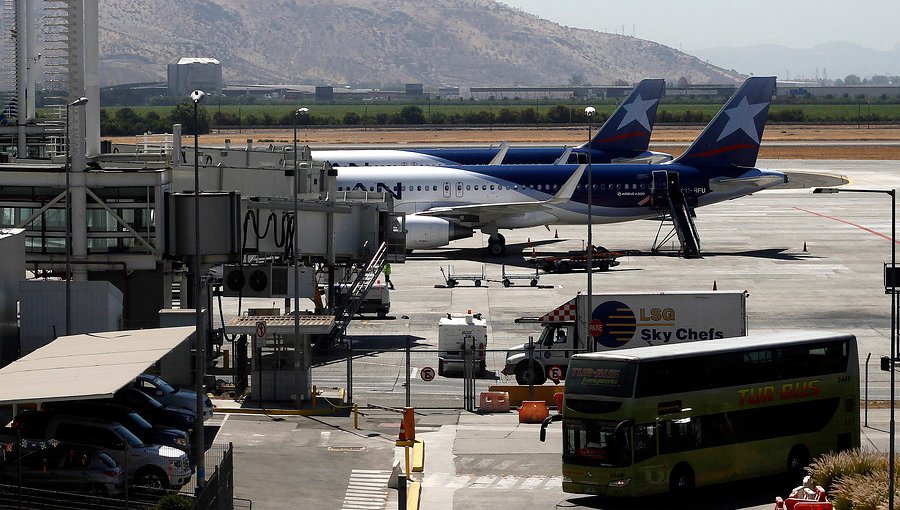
[[659, 189], [459, 190], [446, 190]]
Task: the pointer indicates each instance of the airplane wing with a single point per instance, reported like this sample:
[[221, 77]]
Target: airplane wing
[[500, 156], [485, 213], [564, 157], [760, 180]]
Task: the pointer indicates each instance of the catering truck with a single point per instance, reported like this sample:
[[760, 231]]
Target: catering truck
[[624, 320], [456, 335]]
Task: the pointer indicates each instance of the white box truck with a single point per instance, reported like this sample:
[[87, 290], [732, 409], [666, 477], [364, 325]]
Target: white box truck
[[625, 320], [458, 334]]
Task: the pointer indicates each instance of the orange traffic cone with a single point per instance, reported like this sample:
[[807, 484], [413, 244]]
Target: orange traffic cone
[[532, 252], [556, 234], [804, 246], [714, 285], [402, 436]]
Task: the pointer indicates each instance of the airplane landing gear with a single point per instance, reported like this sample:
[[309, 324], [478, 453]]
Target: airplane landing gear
[[497, 245]]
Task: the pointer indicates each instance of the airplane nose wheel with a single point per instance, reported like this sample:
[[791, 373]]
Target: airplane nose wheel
[[497, 245]]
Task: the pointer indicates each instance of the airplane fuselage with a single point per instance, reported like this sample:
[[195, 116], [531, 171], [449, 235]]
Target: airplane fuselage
[[620, 192], [478, 156]]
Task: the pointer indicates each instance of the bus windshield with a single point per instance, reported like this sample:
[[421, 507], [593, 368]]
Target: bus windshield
[[596, 442]]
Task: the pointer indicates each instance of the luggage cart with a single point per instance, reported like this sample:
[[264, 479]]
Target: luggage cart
[[452, 279], [507, 278]]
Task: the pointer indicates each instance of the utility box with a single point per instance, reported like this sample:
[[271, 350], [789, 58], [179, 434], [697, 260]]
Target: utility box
[[95, 306], [456, 335]]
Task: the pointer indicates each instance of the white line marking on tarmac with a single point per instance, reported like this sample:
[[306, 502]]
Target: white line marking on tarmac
[[367, 488]]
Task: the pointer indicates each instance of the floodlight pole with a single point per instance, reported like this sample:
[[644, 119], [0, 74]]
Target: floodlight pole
[[78, 102], [199, 343], [590, 111], [893, 291], [298, 345]]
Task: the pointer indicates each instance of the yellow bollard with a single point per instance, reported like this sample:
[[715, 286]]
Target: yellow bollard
[[406, 451], [356, 416]]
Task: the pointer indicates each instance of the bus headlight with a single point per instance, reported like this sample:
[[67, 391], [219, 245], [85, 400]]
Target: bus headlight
[[617, 484]]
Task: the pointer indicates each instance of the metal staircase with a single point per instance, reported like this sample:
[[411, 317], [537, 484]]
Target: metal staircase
[[354, 289], [666, 196]]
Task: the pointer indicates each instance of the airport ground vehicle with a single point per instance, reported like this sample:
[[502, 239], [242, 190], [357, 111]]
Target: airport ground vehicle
[[377, 300], [602, 259], [169, 395], [668, 418], [130, 419], [624, 320], [148, 465], [456, 335], [65, 467]]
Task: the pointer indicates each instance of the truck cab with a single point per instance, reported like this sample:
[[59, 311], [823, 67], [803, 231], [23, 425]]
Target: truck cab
[[553, 348]]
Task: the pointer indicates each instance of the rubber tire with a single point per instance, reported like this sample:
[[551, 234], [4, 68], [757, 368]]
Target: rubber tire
[[522, 374], [151, 478], [681, 480], [495, 248], [797, 461], [478, 283], [451, 283], [534, 283], [564, 267], [604, 266], [381, 313], [506, 282]]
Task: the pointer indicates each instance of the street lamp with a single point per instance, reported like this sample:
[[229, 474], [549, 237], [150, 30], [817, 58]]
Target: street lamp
[[297, 343], [200, 343], [590, 111], [893, 194], [78, 102]]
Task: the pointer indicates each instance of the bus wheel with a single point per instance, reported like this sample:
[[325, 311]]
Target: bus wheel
[[682, 479], [797, 461], [534, 375]]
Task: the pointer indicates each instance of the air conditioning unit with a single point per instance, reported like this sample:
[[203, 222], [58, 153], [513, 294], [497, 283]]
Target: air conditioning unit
[[247, 281], [265, 280]]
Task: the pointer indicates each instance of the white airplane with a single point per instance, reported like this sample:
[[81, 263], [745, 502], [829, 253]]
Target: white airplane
[[444, 203], [624, 137]]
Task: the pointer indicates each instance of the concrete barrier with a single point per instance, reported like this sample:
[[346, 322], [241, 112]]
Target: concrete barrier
[[494, 402], [519, 394]]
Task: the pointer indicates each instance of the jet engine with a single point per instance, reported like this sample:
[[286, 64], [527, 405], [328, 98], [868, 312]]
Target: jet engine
[[429, 232]]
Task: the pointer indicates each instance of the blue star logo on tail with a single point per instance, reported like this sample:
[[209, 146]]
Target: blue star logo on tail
[[743, 117], [637, 111]]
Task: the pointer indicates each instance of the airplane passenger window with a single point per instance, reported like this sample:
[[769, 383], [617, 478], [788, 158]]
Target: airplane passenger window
[[418, 188], [458, 187], [492, 187], [619, 186], [468, 187], [484, 187], [515, 186]]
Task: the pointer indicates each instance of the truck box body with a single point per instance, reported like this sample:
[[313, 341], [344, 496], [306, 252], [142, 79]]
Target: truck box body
[[455, 334], [626, 320]]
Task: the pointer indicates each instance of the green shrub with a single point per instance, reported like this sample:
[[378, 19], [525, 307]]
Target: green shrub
[[174, 502]]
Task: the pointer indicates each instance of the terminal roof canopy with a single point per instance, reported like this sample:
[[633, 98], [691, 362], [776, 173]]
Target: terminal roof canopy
[[88, 366]]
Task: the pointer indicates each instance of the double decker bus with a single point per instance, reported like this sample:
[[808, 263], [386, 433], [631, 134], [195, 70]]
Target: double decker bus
[[671, 417]]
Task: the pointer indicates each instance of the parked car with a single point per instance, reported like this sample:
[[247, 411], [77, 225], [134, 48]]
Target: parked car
[[128, 417], [146, 465], [154, 412], [67, 468], [173, 396]]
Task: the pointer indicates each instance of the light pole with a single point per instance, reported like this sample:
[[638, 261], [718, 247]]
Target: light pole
[[590, 111], [297, 342], [200, 343], [78, 102], [893, 194]]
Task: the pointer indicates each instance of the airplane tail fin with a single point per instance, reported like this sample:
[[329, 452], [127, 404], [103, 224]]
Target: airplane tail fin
[[629, 127], [732, 137]]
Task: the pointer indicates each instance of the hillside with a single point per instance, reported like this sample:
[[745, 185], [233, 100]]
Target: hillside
[[375, 43]]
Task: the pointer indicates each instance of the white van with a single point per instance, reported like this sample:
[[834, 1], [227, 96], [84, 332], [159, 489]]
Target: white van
[[377, 301]]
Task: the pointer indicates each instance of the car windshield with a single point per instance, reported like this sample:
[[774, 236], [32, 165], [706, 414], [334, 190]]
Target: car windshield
[[130, 438], [139, 421], [163, 385]]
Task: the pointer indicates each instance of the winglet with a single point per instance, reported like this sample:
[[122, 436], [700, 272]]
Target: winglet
[[568, 188], [629, 127], [732, 137], [564, 157], [501, 155]]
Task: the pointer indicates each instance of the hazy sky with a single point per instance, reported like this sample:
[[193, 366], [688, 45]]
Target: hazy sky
[[697, 24]]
